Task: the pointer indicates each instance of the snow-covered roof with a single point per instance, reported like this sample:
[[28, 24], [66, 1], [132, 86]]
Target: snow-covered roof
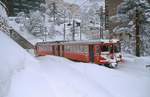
[[82, 42]]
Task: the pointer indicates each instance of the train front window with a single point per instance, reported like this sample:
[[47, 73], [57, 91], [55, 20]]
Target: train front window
[[117, 48], [105, 48]]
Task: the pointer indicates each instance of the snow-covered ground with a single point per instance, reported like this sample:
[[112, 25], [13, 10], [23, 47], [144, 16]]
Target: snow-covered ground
[[73, 79], [22, 75]]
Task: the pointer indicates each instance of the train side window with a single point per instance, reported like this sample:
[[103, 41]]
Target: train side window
[[42, 48], [74, 48], [71, 48], [77, 48], [66, 48], [49, 47], [84, 49], [81, 48]]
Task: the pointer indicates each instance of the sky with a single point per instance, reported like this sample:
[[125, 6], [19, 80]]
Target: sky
[[75, 1], [80, 2]]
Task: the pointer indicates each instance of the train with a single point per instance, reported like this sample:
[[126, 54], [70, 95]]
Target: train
[[103, 52]]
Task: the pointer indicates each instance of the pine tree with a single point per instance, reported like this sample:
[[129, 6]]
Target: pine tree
[[126, 16]]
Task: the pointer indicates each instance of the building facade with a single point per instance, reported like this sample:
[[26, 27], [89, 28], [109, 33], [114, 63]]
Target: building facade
[[16, 6]]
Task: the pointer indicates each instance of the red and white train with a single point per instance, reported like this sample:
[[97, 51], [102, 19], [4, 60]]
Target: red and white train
[[104, 52]]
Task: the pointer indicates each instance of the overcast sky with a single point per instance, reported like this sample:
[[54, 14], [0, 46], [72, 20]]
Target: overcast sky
[[75, 1], [80, 2]]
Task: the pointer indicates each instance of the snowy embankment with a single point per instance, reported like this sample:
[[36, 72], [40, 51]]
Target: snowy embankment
[[20, 74]]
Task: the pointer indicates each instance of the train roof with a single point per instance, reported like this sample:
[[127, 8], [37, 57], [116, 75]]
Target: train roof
[[81, 42], [92, 41]]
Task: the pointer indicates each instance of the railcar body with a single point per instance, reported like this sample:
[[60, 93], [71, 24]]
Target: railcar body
[[103, 52]]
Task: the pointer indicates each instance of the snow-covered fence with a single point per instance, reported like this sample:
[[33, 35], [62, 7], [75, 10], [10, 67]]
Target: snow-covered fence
[[3, 8], [20, 40], [3, 18]]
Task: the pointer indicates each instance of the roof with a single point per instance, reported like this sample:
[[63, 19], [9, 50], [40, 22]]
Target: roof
[[92, 41], [81, 42]]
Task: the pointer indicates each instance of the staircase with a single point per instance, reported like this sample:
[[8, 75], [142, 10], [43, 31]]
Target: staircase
[[20, 40]]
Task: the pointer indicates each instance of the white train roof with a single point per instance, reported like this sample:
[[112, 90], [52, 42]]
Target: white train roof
[[80, 42]]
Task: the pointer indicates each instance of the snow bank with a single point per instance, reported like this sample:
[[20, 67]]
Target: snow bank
[[10, 59], [20, 74]]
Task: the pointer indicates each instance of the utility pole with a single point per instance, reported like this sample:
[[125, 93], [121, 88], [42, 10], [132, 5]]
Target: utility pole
[[45, 32], [137, 26], [54, 11], [107, 16], [64, 25], [80, 32], [73, 31], [101, 22]]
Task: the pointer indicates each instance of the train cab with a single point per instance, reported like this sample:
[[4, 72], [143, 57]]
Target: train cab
[[108, 53]]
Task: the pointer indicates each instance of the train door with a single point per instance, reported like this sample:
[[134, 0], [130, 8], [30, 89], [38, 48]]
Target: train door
[[91, 53], [97, 53], [61, 50], [36, 50], [53, 49], [58, 50]]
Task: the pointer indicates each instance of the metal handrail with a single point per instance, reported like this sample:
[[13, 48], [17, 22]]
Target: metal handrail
[[1, 3]]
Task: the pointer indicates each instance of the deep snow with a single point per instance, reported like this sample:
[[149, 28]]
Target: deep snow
[[130, 79], [52, 76], [20, 74]]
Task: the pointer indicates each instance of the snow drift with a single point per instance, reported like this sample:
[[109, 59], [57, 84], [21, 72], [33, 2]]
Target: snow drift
[[20, 75], [11, 59]]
